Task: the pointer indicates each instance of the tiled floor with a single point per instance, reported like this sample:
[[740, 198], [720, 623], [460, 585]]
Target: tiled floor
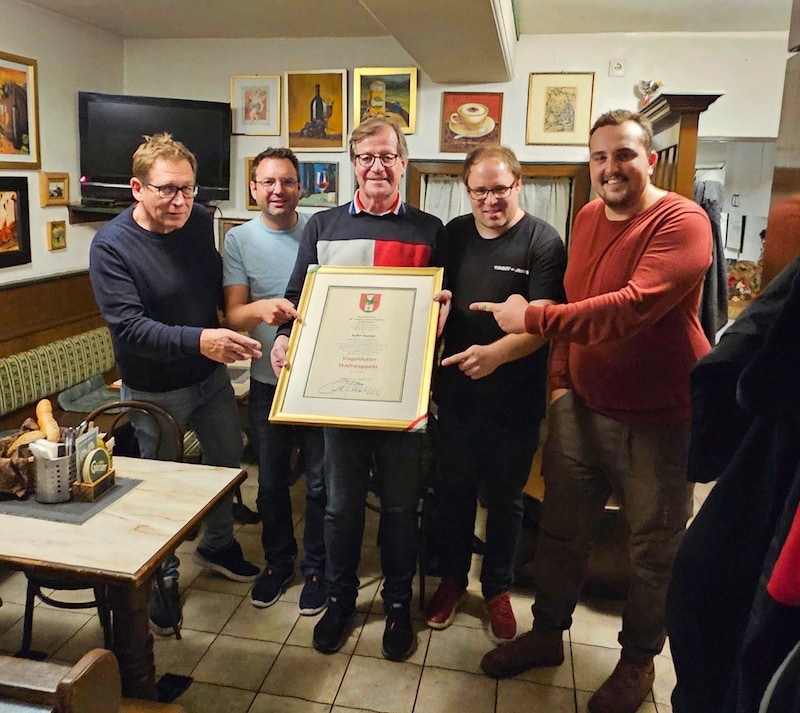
[[248, 660]]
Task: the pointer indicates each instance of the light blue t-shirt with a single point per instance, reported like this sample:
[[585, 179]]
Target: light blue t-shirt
[[262, 259]]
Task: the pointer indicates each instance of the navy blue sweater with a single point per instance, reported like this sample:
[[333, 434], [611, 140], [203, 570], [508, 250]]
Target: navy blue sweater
[[157, 293]]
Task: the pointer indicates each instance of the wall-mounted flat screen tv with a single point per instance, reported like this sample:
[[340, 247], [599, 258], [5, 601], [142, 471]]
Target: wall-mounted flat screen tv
[[112, 126]]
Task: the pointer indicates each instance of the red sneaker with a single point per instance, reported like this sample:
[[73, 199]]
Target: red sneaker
[[502, 623], [444, 604]]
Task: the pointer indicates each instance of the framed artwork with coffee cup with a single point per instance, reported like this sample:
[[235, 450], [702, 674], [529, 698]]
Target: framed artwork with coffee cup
[[386, 91], [316, 110], [559, 108], [470, 119]]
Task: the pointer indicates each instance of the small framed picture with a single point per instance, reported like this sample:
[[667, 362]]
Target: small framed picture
[[319, 184], [256, 105], [56, 235], [19, 112], [559, 108], [53, 189], [316, 110], [386, 91], [223, 226], [249, 201], [470, 119]]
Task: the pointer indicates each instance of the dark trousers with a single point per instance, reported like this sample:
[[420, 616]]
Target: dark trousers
[[586, 455], [351, 457], [478, 454], [273, 446]]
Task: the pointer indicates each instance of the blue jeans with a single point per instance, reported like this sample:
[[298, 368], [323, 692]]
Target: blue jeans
[[208, 408], [585, 457], [350, 457], [481, 454], [273, 445]]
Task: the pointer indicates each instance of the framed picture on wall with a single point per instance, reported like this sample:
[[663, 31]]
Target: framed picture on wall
[[256, 105], [223, 226], [249, 201], [319, 184], [56, 235], [386, 91], [470, 119], [15, 227], [559, 108], [53, 189], [19, 112], [316, 110]]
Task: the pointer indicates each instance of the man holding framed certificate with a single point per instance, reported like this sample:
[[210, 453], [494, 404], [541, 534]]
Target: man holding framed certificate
[[376, 229]]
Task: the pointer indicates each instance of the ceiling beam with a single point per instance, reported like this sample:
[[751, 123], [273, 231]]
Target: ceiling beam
[[453, 41]]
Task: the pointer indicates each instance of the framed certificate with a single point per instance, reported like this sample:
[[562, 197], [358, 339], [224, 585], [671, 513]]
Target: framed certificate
[[362, 353]]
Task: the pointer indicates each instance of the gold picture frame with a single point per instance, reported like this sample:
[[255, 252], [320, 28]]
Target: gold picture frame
[[223, 226], [57, 235], [386, 91], [53, 189], [362, 353], [19, 101], [316, 121], [249, 201], [559, 108], [256, 105]]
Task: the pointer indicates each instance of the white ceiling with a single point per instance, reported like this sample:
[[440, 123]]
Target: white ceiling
[[420, 26]]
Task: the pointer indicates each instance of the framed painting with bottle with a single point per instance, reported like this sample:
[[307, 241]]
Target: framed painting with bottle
[[386, 91], [316, 113]]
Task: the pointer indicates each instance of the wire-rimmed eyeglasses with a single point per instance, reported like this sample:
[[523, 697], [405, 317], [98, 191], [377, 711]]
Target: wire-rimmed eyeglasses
[[481, 193], [268, 184], [366, 160]]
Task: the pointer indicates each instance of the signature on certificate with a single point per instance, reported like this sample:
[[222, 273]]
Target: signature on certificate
[[349, 386]]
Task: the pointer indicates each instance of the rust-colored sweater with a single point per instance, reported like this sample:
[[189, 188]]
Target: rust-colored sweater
[[629, 334]]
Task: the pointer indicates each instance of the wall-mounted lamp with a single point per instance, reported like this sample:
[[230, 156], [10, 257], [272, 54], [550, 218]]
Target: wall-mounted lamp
[[735, 200]]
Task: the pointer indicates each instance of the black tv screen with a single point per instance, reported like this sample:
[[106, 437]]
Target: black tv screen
[[112, 126]]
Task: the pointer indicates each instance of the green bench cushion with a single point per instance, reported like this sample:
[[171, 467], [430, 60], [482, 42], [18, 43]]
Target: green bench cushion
[[29, 376]]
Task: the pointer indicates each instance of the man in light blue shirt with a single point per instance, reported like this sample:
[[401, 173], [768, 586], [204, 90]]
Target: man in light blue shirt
[[258, 258]]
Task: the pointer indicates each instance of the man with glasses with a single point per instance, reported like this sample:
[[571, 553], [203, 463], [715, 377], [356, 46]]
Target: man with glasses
[[375, 229], [624, 346], [258, 258], [491, 389], [157, 278]]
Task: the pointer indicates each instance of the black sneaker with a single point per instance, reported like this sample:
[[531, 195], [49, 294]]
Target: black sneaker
[[329, 633], [229, 562], [269, 587], [164, 612], [314, 597], [398, 637]]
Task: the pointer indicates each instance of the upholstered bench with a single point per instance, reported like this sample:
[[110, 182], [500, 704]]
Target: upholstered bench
[[47, 370]]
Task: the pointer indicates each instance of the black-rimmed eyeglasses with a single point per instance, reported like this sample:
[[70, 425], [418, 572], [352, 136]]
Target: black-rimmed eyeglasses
[[481, 194], [365, 160], [171, 191]]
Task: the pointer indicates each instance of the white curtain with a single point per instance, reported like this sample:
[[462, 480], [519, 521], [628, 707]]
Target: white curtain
[[548, 199]]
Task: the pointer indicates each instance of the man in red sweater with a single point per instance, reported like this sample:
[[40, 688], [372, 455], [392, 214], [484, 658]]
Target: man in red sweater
[[623, 347]]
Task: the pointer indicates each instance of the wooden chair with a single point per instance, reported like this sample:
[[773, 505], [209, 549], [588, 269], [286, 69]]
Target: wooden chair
[[90, 686], [168, 428]]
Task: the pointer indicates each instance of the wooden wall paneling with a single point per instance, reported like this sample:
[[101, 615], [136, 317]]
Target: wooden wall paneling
[[42, 311]]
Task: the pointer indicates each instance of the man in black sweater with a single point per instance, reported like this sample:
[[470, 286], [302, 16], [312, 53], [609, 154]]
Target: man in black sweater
[[157, 278]]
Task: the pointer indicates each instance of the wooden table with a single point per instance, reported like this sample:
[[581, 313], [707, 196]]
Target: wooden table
[[121, 547]]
